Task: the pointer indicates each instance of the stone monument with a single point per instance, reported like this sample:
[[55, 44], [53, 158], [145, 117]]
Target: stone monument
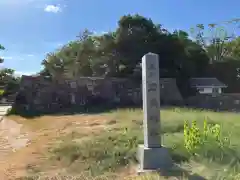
[[151, 155]]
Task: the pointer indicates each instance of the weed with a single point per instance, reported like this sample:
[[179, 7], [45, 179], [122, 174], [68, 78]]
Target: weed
[[207, 150], [104, 153]]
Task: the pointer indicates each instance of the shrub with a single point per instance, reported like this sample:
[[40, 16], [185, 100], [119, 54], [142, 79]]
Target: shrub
[[209, 140]]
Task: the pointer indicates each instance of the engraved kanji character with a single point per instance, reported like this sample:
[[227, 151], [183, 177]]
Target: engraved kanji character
[[151, 67], [154, 133], [154, 103], [151, 74], [153, 118], [152, 87]]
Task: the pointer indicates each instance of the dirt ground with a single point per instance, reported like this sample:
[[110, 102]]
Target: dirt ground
[[23, 142]]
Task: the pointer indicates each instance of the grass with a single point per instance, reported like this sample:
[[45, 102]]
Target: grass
[[1, 91], [111, 152]]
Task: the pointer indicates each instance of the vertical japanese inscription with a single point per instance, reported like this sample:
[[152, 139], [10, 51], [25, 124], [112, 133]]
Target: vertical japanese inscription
[[152, 87], [154, 118], [151, 67], [154, 103], [151, 100]]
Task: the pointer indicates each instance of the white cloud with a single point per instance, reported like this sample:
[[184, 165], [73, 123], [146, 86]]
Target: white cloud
[[30, 55], [52, 8], [34, 3]]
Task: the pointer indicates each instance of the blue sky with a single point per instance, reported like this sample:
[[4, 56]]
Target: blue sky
[[31, 28]]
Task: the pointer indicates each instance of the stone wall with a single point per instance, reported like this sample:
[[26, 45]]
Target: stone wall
[[223, 102], [42, 94], [170, 94]]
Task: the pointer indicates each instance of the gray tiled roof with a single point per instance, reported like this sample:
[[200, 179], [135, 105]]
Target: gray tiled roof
[[206, 82]]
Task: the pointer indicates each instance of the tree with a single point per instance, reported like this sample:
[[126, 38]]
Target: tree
[[85, 54], [7, 79], [55, 66], [233, 48], [137, 35], [104, 61], [118, 53], [6, 74], [134, 38], [1, 48], [213, 40]]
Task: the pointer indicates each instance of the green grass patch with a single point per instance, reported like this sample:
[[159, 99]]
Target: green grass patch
[[105, 153], [116, 148]]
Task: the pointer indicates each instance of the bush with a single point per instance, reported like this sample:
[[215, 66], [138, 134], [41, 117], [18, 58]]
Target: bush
[[209, 142]]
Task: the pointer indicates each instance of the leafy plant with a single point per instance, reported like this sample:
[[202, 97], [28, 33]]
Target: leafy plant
[[1, 92], [195, 139], [192, 136]]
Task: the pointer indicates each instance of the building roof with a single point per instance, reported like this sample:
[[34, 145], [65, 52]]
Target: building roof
[[206, 82]]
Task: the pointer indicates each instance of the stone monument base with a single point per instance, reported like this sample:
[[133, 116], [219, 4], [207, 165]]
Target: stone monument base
[[153, 159]]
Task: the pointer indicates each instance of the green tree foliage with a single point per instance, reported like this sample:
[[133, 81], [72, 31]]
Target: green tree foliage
[[1, 48], [233, 48], [223, 48], [213, 40], [7, 78], [119, 53]]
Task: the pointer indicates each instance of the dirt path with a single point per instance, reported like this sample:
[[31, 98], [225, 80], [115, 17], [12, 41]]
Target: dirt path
[[9, 132], [11, 138], [24, 142]]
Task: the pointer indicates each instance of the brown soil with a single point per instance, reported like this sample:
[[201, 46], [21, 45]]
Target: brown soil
[[41, 133]]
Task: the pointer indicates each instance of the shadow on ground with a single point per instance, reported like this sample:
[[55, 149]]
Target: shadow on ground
[[100, 108], [179, 172], [69, 110]]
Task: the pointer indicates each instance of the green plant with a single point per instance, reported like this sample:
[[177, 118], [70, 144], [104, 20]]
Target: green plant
[[104, 153], [194, 138], [112, 150], [1, 92]]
